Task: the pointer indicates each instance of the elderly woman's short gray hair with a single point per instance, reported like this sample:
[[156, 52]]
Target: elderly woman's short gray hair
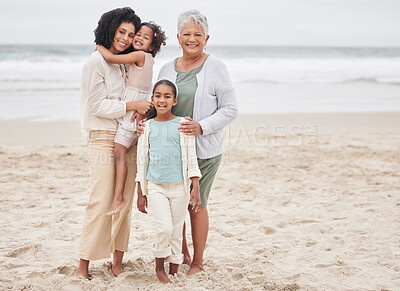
[[193, 15]]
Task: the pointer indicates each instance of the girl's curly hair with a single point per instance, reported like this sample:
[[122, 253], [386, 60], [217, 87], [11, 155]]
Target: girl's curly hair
[[109, 23], [159, 37]]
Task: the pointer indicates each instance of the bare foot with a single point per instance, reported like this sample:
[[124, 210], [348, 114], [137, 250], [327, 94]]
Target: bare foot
[[187, 260], [194, 269], [162, 277], [116, 270], [116, 206], [83, 269], [83, 274], [173, 269]]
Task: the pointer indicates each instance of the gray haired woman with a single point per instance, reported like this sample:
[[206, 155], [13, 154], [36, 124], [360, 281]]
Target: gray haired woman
[[207, 100]]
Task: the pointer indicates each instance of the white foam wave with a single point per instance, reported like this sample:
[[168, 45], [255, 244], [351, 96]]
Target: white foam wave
[[244, 70], [314, 70]]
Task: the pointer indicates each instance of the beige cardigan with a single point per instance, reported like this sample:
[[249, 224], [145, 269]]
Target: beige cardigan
[[102, 85], [189, 158]]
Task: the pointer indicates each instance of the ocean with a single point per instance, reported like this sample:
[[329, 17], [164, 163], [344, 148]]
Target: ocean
[[41, 82]]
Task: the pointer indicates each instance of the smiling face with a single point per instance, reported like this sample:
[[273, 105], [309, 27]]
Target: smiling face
[[123, 37], [192, 38], [143, 39], [163, 99]]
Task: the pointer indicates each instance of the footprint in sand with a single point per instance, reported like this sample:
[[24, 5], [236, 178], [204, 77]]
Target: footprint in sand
[[27, 252], [268, 230], [66, 270], [138, 280]]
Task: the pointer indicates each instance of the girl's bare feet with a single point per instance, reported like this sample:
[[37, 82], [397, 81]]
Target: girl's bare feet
[[162, 277], [160, 271], [116, 206], [173, 268]]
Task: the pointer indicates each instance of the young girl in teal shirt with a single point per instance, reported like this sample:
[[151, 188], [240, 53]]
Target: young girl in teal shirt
[[167, 165]]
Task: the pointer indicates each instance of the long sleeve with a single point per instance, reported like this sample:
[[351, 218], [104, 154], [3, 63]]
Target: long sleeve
[[227, 108], [193, 167], [100, 102], [142, 159]]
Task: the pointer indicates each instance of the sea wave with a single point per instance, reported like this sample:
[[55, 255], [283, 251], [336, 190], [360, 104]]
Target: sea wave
[[24, 73]]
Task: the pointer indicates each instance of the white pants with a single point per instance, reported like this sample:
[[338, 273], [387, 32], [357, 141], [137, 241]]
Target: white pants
[[168, 205]]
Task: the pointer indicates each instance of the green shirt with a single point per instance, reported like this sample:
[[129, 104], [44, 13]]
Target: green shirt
[[186, 82]]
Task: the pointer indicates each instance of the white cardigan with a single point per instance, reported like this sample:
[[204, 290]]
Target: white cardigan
[[102, 85], [190, 167], [215, 104]]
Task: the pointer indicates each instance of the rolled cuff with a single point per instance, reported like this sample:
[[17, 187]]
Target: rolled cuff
[[163, 253], [194, 173], [175, 259]]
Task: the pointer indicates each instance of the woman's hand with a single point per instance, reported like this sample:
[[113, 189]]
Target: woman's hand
[[140, 125], [190, 127], [195, 197], [137, 116], [195, 194], [140, 106], [141, 200]]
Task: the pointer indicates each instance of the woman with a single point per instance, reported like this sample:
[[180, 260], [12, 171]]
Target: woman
[[207, 100], [101, 87]]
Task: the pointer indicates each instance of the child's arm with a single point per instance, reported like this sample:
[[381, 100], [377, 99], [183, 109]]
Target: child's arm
[[141, 200], [133, 57], [195, 194]]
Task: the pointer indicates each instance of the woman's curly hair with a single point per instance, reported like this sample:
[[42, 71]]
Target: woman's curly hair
[[159, 37], [109, 23]]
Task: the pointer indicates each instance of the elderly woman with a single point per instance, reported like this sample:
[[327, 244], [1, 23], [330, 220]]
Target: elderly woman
[[101, 88], [206, 98]]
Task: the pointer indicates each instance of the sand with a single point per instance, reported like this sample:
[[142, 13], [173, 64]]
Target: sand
[[301, 202]]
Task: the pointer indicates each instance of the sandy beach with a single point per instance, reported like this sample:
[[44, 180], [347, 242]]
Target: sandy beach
[[301, 202]]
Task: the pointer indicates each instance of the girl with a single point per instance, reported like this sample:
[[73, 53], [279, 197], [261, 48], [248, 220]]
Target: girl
[[139, 66], [166, 162]]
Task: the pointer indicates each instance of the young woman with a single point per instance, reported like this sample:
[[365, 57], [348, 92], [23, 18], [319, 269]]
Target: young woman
[[139, 66], [101, 88]]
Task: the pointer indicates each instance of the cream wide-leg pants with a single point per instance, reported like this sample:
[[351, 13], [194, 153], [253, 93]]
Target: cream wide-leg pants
[[101, 234], [168, 205]]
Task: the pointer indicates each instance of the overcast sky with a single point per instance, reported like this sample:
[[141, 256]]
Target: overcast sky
[[232, 22]]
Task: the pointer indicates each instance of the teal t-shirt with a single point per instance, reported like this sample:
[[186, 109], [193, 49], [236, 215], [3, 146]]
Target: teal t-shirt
[[186, 81], [165, 156]]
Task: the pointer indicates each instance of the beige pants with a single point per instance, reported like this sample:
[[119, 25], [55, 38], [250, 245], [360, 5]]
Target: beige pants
[[168, 205], [101, 234]]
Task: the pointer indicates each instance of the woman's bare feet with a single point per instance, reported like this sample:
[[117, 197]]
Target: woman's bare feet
[[187, 260], [194, 269], [116, 270], [116, 206], [83, 269]]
